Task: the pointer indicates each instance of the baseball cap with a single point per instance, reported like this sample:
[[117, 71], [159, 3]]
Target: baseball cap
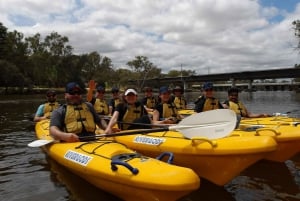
[[163, 89], [73, 87], [51, 92], [114, 89], [128, 91], [208, 85], [177, 88], [100, 88]]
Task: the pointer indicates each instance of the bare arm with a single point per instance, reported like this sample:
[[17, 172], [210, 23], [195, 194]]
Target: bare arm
[[37, 118], [157, 121], [57, 134], [113, 120]]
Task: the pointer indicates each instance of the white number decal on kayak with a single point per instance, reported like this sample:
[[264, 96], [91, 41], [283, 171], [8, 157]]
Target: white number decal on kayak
[[78, 157], [148, 140]]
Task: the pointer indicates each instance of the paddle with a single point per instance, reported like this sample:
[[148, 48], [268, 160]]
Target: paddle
[[212, 124]]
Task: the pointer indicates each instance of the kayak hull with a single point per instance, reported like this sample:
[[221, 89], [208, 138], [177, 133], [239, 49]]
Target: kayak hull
[[120, 171], [218, 161], [285, 130]]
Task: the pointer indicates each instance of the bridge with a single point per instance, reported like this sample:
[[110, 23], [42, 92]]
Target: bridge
[[233, 78]]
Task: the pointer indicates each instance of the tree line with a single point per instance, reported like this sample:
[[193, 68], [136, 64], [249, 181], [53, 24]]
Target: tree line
[[36, 61]]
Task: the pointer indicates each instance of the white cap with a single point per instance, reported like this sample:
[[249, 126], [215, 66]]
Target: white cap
[[128, 91]]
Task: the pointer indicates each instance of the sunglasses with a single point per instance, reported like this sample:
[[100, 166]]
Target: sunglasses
[[75, 93], [208, 89], [53, 95]]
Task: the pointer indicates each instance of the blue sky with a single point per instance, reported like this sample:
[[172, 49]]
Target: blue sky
[[208, 36]]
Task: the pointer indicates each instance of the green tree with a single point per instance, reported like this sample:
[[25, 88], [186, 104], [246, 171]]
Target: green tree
[[3, 39], [142, 67], [175, 73], [10, 75], [296, 27], [57, 48], [17, 53]]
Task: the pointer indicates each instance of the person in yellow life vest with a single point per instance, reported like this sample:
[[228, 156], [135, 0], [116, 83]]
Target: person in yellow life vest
[[44, 110], [207, 101], [238, 107], [178, 98], [114, 101], [149, 101], [130, 111], [99, 102], [76, 120], [165, 111]]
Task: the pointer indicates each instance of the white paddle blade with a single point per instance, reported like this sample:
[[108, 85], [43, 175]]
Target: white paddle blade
[[212, 124], [40, 143]]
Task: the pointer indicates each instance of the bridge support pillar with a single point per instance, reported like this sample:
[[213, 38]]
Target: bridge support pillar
[[232, 82], [185, 85], [250, 87]]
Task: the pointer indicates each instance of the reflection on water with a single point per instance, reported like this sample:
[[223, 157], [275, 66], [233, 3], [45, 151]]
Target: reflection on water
[[78, 188], [27, 174], [265, 180]]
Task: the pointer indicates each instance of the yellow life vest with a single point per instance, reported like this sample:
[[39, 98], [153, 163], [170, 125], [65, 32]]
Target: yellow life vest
[[169, 110], [101, 107], [179, 102], [210, 104], [49, 107], [238, 108], [132, 112], [151, 102], [77, 117], [117, 101]]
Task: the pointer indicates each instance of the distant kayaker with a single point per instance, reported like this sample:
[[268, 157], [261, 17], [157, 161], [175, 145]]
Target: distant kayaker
[[149, 101], [44, 110], [207, 101], [165, 112], [127, 112], [99, 102], [178, 99], [234, 104], [74, 119], [115, 100]]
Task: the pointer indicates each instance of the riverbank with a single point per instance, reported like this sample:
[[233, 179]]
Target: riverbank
[[27, 91]]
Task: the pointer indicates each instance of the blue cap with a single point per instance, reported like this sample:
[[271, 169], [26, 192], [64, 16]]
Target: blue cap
[[163, 89], [100, 88], [114, 89], [178, 88], [208, 85], [51, 92], [73, 87]]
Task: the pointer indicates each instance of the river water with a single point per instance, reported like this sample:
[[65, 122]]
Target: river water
[[28, 174]]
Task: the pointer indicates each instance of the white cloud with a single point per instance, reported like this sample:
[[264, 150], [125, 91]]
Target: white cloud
[[203, 35]]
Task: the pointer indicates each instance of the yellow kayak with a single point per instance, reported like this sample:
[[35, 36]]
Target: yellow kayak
[[283, 129], [113, 167], [218, 160]]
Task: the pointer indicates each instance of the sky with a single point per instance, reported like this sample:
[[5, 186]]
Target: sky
[[205, 36]]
